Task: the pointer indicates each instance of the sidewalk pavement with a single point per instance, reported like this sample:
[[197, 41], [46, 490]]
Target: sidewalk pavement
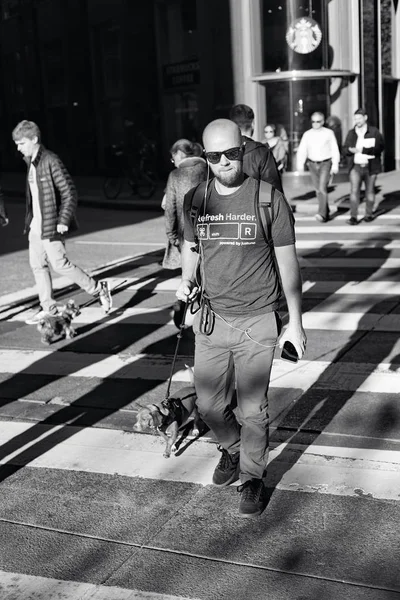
[[297, 188]]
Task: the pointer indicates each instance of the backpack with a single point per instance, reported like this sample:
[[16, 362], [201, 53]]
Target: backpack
[[263, 201]]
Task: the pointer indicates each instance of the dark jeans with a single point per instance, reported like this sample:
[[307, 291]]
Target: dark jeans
[[357, 175], [227, 351], [320, 173]]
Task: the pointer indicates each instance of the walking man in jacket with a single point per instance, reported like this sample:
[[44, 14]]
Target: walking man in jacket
[[51, 201], [363, 148], [258, 160], [318, 146]]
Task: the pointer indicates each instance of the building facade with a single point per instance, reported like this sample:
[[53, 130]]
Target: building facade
[[294, 57], [94, 72]]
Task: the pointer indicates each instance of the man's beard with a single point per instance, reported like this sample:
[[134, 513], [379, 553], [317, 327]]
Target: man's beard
[[230, 179]]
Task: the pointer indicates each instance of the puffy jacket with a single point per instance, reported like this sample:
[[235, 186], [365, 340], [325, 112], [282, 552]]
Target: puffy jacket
[[374, 164], [259, 162], [57, 195]]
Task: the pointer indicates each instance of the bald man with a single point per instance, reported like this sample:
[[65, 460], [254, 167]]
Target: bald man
[[237, 327]]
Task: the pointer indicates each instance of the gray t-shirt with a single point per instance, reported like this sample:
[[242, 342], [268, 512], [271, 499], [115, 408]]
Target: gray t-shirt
[[238, 268]]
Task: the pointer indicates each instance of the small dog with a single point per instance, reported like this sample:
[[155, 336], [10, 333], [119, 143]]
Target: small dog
[[168, 416], [54, 328]]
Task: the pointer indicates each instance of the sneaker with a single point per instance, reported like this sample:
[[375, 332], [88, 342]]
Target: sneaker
[[352, 221], [321, 218], [105, 296], [252, 501], [228, 469], [41, 314], [369, 218]]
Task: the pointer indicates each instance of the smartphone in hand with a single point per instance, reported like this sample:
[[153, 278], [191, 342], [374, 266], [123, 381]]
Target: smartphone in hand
[[289, 352]]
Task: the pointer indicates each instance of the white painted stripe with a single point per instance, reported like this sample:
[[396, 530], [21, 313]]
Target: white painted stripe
[[61, 282], [138, 455], [351, 321], [16, 586], [366, 287], [343, 217], [95, 314], [361, 229], [337, 320], [339, 287], [361, 377], [350, 263], [379, 243]]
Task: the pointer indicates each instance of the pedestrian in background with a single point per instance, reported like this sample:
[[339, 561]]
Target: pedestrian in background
[[318, 147], [51, 202], [363, 147], [190, 170], [3, 210], [277, 145], [258, 160]]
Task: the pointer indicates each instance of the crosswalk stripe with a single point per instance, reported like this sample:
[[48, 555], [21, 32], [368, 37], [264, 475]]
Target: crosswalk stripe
[[324, 468], [344, 217], [361, 243], [350, 263], [336, 320], [361, 377], [382, 230], [15, 586]]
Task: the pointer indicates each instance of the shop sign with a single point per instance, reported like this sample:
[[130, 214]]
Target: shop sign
[[304, 35], [181, 74]]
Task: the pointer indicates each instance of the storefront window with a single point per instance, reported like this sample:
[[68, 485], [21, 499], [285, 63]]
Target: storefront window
[[290, 44]]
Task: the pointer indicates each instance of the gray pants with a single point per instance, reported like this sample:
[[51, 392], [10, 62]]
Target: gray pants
[[46, 253], [359, 174], [217, 356]]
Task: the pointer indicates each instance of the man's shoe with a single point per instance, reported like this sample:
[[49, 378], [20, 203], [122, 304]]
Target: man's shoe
[[252, 501], [41, 314], [352, 221], [321, 218], [228, 469], [105, 296], [369, 218]]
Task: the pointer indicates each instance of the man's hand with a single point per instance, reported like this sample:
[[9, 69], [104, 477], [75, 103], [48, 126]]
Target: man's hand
[[4, 221], [297, 336], [353, 150], [187, 290], [334, 170], [62, 229]]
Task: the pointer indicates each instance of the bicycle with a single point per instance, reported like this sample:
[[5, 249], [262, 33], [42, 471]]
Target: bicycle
[[138, 175]]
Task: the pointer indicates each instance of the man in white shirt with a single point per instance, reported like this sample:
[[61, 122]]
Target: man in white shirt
[[363, 148], [318, 147]]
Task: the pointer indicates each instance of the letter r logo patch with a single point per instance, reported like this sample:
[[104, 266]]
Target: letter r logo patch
[[248, 231]]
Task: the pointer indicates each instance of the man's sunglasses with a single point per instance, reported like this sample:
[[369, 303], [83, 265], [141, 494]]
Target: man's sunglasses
[[231, 154]]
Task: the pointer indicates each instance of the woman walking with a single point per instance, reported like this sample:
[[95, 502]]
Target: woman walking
[[191, 170]]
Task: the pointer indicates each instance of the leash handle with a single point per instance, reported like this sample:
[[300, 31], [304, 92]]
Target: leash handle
[[179, 337]]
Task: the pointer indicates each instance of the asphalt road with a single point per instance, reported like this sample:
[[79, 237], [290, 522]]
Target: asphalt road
[[92, 510]]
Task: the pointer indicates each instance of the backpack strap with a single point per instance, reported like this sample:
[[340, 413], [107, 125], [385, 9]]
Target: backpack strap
[[197, 201], [264, 209]]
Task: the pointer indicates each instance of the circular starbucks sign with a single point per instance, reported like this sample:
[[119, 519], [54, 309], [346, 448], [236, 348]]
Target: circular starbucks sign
[[304, 35]]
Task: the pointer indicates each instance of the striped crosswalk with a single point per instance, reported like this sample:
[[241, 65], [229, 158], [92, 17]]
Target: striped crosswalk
[[334, 416]]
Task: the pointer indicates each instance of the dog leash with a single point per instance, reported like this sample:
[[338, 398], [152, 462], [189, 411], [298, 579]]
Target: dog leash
[[96, 299], [179, 337]]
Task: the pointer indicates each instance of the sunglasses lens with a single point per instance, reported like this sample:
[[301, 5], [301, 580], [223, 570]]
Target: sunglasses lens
[[231, 154], [213, 157]]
